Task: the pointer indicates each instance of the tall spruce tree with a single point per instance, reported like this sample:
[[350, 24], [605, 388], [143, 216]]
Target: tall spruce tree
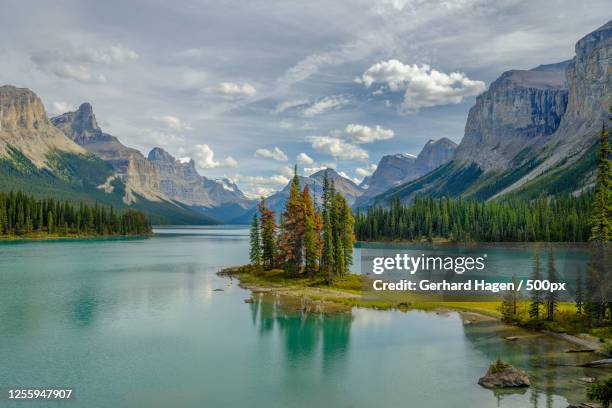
[[579, 293], [551, 296], [291, 239], [311, 234], [327, 253], [601, 217], [255, 242], [268, 235], [536, 295]]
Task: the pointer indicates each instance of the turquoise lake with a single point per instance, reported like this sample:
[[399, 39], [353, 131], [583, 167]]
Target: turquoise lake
[[138, 323]]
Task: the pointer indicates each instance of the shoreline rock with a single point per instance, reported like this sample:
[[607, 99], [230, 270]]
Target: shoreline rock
[[504, 375]]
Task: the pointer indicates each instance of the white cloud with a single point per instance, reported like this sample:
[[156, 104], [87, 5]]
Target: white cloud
[[423, 86], [286, 171], [230, 162], [365, 171], [363, 134], [337, 148], [60, 107], [79, 64], [304, 159], [205, 158], [289, 124], [172, 122], [324, 105], [236, 91], [257, 186], [312, 170], [275, 154], [289, 104]]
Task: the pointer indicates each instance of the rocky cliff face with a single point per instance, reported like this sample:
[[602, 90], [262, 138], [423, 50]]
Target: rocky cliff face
[[138, 174], [589, 83], [24, 126], [180, 181], [396, 169], [520, 109]]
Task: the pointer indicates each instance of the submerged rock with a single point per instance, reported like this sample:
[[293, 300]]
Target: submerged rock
[[504, 375]]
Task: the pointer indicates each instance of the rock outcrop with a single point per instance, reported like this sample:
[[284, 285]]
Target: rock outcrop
[[181, 181], [504, 375], [24, 126], [589, 83], [138, 174], [520, 109]]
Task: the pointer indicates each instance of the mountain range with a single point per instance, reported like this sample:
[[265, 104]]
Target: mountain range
[[532, 132]]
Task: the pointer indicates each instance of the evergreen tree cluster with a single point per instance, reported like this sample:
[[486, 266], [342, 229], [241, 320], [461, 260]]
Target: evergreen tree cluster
[[309, 241], [22, 215], [558, 219], [601, 218]]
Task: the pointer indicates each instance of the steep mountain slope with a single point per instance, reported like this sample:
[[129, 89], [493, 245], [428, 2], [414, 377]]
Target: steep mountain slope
[[24, 126], [138, 174], [37, 158], [349, 190], [397, 169], [532, 132], [179, 180]]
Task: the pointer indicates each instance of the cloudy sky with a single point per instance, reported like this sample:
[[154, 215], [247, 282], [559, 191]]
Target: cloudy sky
[[247, 88]]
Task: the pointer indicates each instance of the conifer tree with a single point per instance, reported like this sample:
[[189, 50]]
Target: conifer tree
[[255, 242], [551, 296], [579, 294], [536, 295], [509, 306], [311, 234], [291, 239], [601, 218], [268, 235], [327, 253]]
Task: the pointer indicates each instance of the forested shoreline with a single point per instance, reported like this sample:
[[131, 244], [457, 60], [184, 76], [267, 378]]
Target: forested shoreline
[[561, 219], [569, 218], [24, 216]]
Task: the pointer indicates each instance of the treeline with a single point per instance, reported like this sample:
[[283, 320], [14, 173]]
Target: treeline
[[309, 241], [552, 220], [587, 217], [591, 294], [23, 215]]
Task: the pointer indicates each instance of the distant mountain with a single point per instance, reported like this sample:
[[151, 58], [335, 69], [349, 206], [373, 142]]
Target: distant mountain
[[531, 132], [394, 170], [277, 201], [38, 158], [138, 174], [158, 177], [349, 190], [180, 181]]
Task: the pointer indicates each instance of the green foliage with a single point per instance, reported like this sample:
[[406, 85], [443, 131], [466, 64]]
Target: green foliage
[[307, 245], [601, 392], [601, 217], [536, 295], [23, 215], [79, 177], [561, 219], [551, 296], [255, 248]]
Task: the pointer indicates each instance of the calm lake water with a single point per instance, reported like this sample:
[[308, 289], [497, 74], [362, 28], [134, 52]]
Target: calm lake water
[[138, 323]]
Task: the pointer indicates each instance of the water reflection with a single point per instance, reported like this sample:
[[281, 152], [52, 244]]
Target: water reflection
[[551, 369], [304, 336]]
